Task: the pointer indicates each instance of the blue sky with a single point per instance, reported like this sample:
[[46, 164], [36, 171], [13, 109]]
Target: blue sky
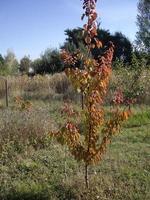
[[28, 27]]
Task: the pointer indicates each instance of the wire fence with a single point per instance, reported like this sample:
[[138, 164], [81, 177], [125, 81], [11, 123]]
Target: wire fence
[[57, 87], [38, 88]]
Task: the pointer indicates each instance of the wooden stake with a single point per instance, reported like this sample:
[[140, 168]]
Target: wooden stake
[[86, 176], [6, 92], [82, 101]]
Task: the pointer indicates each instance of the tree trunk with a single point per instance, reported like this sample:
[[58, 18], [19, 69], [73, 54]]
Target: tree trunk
[[82, 100], [86, 176]]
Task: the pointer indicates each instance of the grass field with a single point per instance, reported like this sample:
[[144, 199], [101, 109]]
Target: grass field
[[33, 167]]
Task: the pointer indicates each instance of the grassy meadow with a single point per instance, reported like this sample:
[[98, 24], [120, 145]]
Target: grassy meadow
[[35, 167]]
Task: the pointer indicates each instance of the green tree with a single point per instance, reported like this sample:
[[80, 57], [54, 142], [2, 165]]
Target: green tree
[[10, 63], [123, 47], [25, 63], [1, 60], [1, 64], [49, 62], [143, 23], [38, 66], [74, 36]]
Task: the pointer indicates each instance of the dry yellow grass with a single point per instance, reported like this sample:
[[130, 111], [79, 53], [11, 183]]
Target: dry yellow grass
[[57, 86]]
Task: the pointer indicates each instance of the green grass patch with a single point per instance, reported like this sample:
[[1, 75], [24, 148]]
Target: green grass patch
[[49, 172]]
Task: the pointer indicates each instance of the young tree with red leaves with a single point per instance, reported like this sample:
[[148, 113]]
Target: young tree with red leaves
[[90, 144]]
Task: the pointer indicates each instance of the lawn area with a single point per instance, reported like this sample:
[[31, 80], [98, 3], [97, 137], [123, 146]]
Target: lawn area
[[34, 167]]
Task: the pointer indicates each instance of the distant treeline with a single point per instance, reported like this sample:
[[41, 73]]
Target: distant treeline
[[50, 61]]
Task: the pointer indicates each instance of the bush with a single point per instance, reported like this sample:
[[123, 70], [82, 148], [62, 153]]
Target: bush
[[21, 129]]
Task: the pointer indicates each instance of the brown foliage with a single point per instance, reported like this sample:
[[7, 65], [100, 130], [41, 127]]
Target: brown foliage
[[93, 83]]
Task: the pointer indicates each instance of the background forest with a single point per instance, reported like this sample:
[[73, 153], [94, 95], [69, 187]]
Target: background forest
[[35, 97]]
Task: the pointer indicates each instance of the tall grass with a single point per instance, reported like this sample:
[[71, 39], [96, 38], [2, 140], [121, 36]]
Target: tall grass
[[58, 87]]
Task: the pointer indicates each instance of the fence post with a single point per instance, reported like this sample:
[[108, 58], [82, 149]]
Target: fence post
[[6, 90], [82, 101]]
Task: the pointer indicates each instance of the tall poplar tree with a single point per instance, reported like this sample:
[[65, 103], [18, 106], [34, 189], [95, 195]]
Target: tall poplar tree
[[143, 23]]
